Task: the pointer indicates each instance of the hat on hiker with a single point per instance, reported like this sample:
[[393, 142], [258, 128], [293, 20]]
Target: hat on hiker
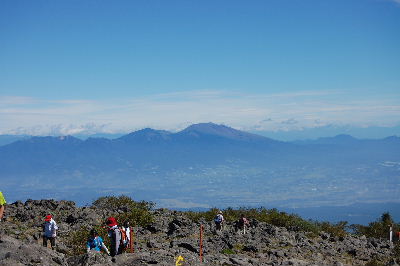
[[220, 212], [111, 221], [48, 218]]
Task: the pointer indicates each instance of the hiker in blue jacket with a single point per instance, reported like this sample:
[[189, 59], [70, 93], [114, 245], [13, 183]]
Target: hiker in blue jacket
[[95, 243]]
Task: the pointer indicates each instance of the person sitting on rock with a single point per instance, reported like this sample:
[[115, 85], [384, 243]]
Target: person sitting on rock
[[114, 234], [219, 220], [242, 224], [49, 231], [95, 243]]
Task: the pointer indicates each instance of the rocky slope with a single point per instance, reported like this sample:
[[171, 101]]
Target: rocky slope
[[173, 234]]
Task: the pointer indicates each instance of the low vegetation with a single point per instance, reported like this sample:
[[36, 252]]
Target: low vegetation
[[77, 239], [137, 213], [377, 229], [293, 222], [123, 208]]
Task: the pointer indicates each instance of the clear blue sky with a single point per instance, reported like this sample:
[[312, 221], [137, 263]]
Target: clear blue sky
[[255, 65]]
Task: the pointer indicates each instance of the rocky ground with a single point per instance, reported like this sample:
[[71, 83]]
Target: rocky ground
[[173, 234]]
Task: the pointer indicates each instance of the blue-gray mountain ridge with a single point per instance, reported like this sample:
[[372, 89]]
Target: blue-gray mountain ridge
[[205, 165]]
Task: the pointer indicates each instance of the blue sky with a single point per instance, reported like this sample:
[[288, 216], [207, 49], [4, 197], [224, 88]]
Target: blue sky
[[265, 66]]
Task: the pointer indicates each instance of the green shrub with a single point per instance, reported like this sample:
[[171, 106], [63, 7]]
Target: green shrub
[[339, 229], [76, 240], [228, 251], [121, 202], [377, 229], [273, 216], [204, 215], [136, 217], [374, 262], [136, 213]]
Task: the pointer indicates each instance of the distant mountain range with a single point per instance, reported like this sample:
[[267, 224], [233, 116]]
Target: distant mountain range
[[204, 165]]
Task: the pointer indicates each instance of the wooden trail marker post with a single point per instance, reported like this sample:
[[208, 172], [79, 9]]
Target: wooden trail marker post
[[201, 243]]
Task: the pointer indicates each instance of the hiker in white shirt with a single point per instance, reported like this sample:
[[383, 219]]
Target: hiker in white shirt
[[49, 231]]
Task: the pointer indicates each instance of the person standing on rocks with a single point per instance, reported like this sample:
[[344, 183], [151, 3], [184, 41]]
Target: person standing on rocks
[[219, 220], [49, 231], [127, 229], [114, 234], [2, 207], [95, 243], [243, 223]]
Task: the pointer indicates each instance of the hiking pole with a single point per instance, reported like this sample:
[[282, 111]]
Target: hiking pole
[[201, 243]]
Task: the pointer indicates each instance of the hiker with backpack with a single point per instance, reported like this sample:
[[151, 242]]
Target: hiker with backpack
[[242, 224], [49, 231], [115, 235], [95, 243], [219, 220]]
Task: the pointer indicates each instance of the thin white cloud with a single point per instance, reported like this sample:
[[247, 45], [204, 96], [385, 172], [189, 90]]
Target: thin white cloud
[[16, 100], [174, 111]]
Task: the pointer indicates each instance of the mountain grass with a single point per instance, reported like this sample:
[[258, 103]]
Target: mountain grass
[[272, 216], [137, 213], [123, 208], [140, 214], [293, 222]]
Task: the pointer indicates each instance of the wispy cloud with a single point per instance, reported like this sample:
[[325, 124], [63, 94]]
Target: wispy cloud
[[174, 111], [16, 100]]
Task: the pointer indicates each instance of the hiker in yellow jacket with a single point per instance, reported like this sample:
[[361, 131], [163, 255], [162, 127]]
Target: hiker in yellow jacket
[[2, 207]]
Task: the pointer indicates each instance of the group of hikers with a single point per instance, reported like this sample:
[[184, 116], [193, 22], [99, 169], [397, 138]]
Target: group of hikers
[[241, 225], [119, 236]]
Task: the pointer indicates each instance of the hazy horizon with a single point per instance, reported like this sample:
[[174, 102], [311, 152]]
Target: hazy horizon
[[73, 67]]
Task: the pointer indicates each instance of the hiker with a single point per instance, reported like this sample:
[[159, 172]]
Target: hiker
[[95, 243], [2, 207], [242, 224], [219, 220], [114, 233], [49, 231], [126, 235]]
